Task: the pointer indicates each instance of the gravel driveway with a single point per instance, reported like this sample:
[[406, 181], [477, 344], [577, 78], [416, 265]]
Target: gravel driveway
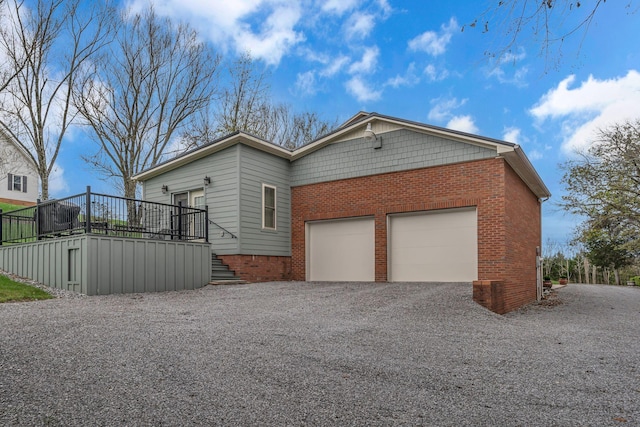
[[321, 354]]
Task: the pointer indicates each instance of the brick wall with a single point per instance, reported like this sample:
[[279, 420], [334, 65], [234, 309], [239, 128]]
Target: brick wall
[[16, 202], [259, 268], [508, 216], [523, 226], [490, 294], [477, 183]]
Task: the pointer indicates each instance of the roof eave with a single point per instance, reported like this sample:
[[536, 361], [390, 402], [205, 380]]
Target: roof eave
[[237, 138], [419, 127], [23, 152], [518, 160], [512, 153]]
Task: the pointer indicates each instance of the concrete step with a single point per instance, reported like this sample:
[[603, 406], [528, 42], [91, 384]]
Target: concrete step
[[219, 268], [220, 272], [228, 282], [223, 274]]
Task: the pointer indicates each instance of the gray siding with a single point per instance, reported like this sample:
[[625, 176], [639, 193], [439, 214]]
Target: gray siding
[[221, 195], [98, 265], [47, 261], [401, 150], [234, 198], [117, 265], [257, 168]]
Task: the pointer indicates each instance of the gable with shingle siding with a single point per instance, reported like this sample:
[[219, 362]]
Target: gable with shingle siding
[[401, 150]]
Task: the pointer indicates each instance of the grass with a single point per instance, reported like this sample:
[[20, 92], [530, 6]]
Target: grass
[[14, 234], [6, 207], [11, 291]]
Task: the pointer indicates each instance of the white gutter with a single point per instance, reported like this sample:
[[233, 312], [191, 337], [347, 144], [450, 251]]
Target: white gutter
[[518, 160]]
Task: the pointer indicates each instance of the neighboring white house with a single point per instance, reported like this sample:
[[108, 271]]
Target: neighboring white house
[[18, 173]]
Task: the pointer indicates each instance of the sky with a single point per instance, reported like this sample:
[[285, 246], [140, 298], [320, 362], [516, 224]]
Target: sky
[[410, 59]]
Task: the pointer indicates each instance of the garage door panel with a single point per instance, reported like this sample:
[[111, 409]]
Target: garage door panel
[[436, 273], [428, 255], [437, 236], [341, 250], [435, 246]]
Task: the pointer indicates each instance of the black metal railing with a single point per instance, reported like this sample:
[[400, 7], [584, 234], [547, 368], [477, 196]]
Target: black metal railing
[[225, 232], [103, 214]]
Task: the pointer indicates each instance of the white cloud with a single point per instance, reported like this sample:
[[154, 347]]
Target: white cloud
[[332, 63], [368, 62], [534, 150], [385, 7], [535, 155], [312, 55], [519, 77], [513, 57], [463, 124], [334, 66], [228, 23], [593, 105], [442, 108], [359, 25], [58, 185], [408, 79], [512, 134], [306, 83], [507, 64], [275, 38], [434, 75], [361, 90], [339, 7], [435, 43]]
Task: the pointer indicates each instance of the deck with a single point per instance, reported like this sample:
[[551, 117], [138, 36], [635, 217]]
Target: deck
[[97, 244]]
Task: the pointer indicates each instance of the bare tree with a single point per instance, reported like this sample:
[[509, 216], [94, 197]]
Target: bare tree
[[549, 22], [245, 102], [148, 85], [44, 49], [7, 74], [246, 105], [304, 127]]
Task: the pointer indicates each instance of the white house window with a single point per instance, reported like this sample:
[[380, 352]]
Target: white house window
[[268, 207], [17, 183]]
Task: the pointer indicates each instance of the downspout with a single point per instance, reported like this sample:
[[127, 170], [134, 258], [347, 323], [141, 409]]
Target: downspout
[[540, 258]]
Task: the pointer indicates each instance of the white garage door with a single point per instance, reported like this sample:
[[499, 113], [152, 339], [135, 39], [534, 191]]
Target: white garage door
[[440, 246], [342, 250]]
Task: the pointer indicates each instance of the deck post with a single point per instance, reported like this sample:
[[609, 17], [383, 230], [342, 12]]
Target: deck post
[[206, 223], [37, 219], [179, 220], [87, 219], [0, 227]]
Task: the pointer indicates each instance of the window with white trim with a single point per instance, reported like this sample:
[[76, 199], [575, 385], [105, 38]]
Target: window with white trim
[[17, 183], [268, 207]]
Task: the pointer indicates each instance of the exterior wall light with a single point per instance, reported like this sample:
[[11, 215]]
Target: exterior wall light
[[165, 189], [207, 180], [370, 136]]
